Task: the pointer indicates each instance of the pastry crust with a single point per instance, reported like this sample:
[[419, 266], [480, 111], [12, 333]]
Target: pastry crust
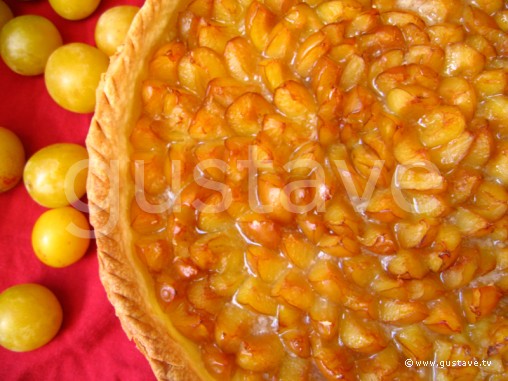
[[109, 194]]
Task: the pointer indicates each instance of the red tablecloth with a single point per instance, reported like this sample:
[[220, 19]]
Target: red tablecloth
[[90, 345]]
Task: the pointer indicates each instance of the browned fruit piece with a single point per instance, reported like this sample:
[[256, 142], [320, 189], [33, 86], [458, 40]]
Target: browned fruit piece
[[361, 335], [443, 318], [415, 342], [401, 313], [260, 353], [294, 288], [479, 302]]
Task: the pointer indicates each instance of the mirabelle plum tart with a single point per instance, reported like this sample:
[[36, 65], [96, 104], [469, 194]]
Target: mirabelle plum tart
[[306, 190]]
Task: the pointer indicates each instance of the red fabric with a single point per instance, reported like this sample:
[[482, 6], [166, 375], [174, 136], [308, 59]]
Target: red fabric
[[90, 345]]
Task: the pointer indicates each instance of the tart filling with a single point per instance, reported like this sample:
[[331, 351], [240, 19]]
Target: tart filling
[[315, 190]]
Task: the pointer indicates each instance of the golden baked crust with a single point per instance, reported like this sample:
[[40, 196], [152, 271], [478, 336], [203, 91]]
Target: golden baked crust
[[108, 192]]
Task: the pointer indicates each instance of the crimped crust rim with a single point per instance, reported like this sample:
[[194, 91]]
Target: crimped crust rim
[[167, 358]]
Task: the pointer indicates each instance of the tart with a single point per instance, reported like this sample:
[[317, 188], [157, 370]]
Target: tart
[[315, 190]]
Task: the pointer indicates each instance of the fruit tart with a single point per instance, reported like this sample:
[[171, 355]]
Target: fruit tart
[[312, 190]]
